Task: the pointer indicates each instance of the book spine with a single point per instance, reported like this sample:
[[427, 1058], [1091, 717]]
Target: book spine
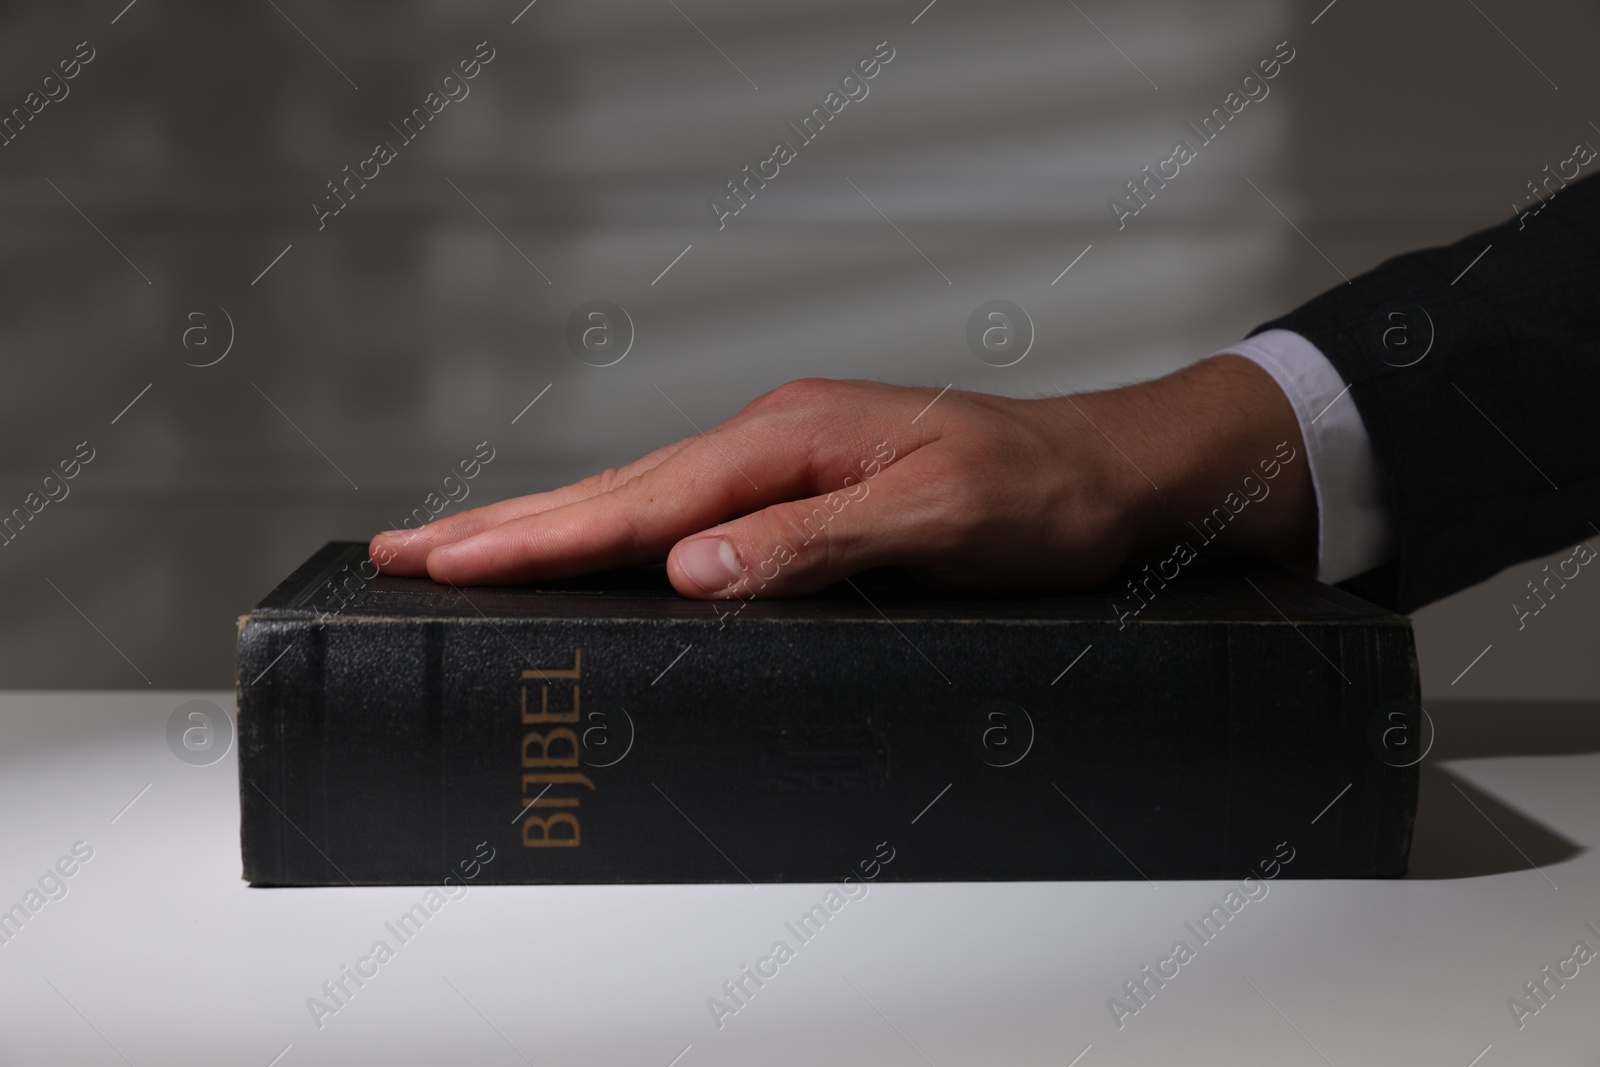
[[383, 751]]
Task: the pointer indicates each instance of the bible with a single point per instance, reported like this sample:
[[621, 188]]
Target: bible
[[602, 729]]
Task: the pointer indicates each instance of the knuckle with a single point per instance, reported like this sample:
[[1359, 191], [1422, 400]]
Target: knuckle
[[607, 479], [800, 392]]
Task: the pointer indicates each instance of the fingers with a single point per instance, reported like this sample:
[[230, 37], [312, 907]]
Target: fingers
[[807, 437], [800, 546], [405, 552], [734, 469]]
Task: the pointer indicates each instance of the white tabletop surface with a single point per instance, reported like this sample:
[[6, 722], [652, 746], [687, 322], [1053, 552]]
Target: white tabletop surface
[[159, 954]]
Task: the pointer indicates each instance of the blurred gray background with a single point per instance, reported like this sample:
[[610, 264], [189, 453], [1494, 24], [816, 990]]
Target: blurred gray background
[[374, 354]]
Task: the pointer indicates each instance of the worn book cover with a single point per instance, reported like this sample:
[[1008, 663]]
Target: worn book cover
[[603, 729]]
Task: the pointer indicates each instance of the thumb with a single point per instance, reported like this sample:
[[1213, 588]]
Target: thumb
[[795, 547]]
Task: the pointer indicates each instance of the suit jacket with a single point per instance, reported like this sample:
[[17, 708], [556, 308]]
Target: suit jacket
[[1480, 393]]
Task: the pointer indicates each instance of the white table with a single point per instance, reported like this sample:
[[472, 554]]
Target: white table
[[160, 954]]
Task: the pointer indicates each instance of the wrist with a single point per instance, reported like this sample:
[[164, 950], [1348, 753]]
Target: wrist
[[1210, 456]]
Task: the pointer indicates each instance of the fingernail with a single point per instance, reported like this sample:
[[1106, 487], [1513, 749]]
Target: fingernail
[[391, 533], [710, 563]]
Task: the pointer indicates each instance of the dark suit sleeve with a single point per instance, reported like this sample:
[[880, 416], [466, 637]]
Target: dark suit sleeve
[[1479, 392]]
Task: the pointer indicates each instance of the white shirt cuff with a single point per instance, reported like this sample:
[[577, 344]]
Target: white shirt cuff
[[1354, 530]]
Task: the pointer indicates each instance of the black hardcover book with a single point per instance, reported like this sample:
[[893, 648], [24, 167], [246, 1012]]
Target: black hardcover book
[[1215, 724]]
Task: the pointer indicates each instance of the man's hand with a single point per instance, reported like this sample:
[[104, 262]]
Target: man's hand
[[819, 479]]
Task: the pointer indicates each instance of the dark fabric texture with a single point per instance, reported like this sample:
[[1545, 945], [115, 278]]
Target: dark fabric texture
[[1488, 444]]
